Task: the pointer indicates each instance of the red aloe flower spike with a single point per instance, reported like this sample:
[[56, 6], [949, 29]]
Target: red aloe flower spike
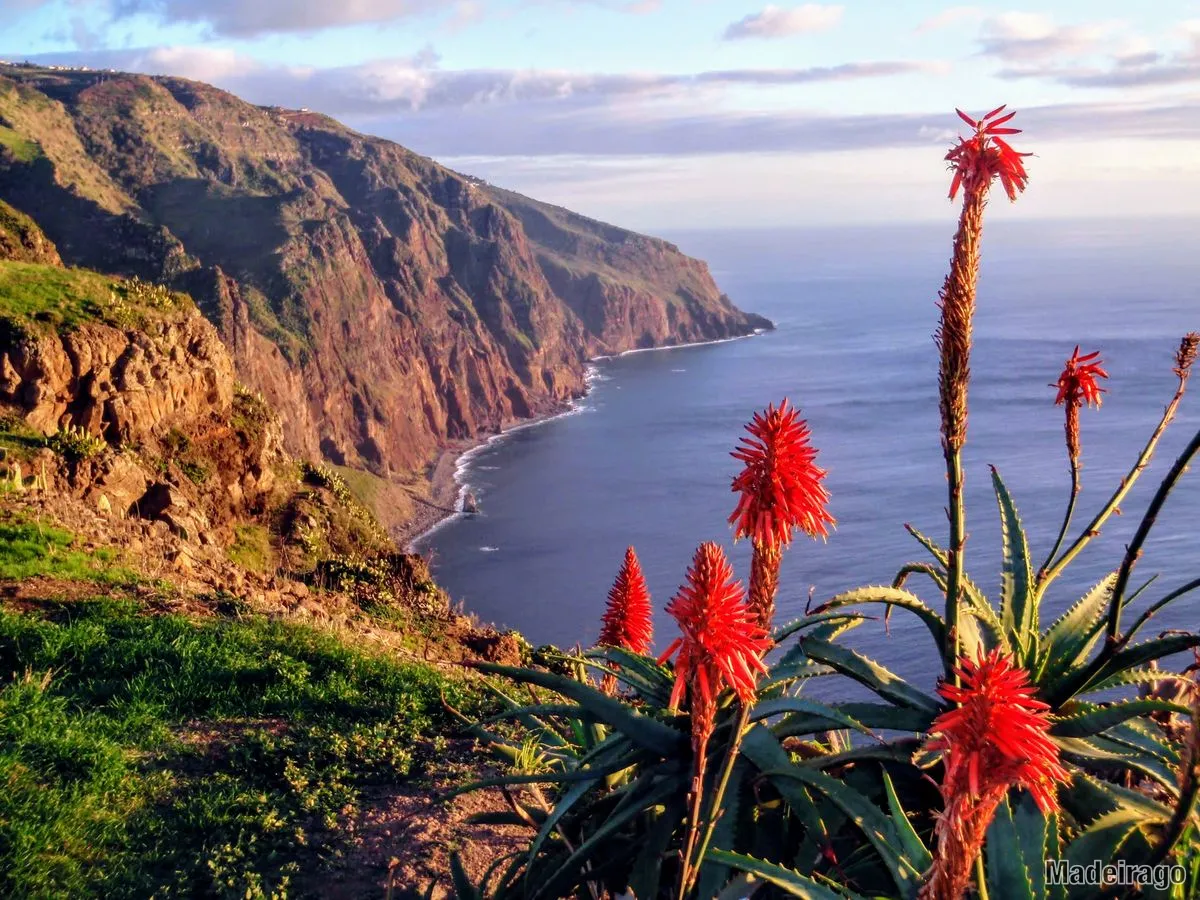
[[978, 159], [720, 646], [629, 618], [720, 642], [780, 487], [996, 739], [1077, 383], [779, 490], [1077, 387]]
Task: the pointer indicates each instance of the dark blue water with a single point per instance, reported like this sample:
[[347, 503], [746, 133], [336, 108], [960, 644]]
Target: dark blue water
[[646, 459]]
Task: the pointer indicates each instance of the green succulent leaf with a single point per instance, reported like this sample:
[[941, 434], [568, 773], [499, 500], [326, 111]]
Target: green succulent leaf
[[894, 598], [911, 845], [870, 674], [784, 632], [1070, 639], [1009, 872], [649, 733], [1087, 719], [878, 716], [775, 706], [789, 880], [1018, 607], [462, 882]]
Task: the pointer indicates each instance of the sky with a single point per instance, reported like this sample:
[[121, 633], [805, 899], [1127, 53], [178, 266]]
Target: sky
[[674, 114]]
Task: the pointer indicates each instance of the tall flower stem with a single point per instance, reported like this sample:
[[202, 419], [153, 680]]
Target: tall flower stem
[[1184, 359], [722, 785], [954, 376], [696, 801], [1066, 524], [1134, 551]]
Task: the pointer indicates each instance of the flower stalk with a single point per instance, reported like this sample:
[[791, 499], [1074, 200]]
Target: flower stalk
[[976, 161], [721, 645], [1077, 387]]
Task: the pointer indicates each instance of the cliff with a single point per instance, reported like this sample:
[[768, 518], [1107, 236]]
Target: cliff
[[381, 303]]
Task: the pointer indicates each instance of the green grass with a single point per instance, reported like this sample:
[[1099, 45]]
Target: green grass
[[251, 548], [22, 149], [18, 440], [54, 298], [115, 787], [29, 549]]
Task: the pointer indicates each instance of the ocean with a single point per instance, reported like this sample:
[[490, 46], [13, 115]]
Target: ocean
[[644, 459]]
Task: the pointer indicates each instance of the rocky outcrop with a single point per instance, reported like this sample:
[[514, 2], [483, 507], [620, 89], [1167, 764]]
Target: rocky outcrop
[[22, 241], [382, 304], [185, 445], [126, 386]]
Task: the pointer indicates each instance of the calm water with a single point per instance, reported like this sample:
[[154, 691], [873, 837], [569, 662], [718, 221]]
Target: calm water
[[645, 460]]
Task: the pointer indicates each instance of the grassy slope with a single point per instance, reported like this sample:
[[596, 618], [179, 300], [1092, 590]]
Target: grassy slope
[[162, 755], [56, 299]]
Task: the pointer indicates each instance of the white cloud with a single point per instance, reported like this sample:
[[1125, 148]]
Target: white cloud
[[775, 21], [1019, 37], [951, 16]]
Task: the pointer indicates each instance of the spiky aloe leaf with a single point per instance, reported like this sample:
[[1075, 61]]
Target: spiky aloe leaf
[[1088, 798], [646, 875], [774, 706], [870, 674], [784, 673], [462, 881], [1009, 871], [1135, 677], [649, 733], [762, 749], [1087, 719], [1018, 609], [878, 716], [893, 598], [1070, 639], [739, 888], [937, 552], [1140, 654], [789, 880], [878, 828], [712, 873], [1104, 838], [571, 872], [990, 627], [1099, 753], [786, 631], [911, 845]]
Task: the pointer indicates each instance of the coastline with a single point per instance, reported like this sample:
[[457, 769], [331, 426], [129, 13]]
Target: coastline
[[448, 486]]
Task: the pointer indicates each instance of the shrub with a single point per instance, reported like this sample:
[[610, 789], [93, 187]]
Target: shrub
[[75, 444]]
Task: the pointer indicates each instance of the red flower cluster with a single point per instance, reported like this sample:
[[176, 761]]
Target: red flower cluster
[[780, 485], [995, 740], [721, 642], [985, 155], [628, 619], [998, 736], [1077, 383]]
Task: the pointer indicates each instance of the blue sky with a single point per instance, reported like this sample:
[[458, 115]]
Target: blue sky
[[665, 114]]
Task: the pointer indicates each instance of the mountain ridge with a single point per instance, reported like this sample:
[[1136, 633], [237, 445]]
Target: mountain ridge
[[384, 305]]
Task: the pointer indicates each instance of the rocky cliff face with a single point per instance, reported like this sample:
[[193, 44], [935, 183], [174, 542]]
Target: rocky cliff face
[[158, 385], [122, 385], [380, 302]]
